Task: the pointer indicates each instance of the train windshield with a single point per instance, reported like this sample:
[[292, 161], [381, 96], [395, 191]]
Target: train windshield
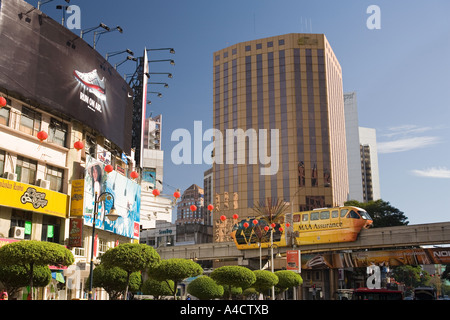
[[364, 214]]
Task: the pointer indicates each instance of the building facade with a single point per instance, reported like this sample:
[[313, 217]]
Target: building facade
[[191, 222], [369, 164], [58, 133], [280, 126], [362, 155]]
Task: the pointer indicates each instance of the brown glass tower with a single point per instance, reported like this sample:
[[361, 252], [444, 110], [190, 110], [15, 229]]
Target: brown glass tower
[[279, 108]]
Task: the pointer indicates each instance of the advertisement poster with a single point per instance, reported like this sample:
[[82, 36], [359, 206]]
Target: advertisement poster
[[126, 197], [293, 261]]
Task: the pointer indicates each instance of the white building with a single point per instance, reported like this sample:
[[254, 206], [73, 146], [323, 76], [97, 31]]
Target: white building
[[362, 155]]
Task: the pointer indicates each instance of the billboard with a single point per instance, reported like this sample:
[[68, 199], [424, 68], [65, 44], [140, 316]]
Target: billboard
[[126, 196], [49, 66]]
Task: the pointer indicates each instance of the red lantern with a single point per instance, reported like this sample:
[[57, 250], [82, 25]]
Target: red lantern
[[223, 218], [2, 102], [281, 229], [42, 135], [193, 207], [210, 207], [266, 228], [273, 225], [255, 221], [288, 225], [134, 174], [246, 225], [235, 216], [155, 192], [109, 168], [177, 194], [78, 145]]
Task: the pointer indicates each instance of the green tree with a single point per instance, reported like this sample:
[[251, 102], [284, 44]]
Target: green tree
[[15, 277], [114, 280], [382, 213], [411, 276], [131, 257], [233, 276], [176, 270], [205, 288], [157, 288], [32, 253], [264, 280], [287, 279]]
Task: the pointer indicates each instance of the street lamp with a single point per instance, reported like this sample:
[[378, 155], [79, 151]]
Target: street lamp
[[110, 54], [111, 216], [128, 58]]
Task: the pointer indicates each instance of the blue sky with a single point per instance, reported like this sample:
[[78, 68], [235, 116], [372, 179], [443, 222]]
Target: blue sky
[[400, 73]]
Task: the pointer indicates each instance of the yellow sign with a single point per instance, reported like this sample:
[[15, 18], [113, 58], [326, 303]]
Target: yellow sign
[[28, 197], [76, 200]]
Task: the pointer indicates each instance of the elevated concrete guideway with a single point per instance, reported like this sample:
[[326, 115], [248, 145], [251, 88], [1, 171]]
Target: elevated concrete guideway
[[389, 237]]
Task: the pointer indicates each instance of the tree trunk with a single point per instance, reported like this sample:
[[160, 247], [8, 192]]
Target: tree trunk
[[126, 289], [31, 280]]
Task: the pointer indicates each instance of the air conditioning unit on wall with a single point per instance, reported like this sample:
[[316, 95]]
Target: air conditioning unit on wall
[[9, 176], [17, 232], [43, 183]]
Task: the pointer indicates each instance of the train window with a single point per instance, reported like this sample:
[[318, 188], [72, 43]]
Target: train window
[[353, 215], [334, 214], [296, 217], [305, 217], [314, 216], [343, 212], [325, 215], [364, 215]]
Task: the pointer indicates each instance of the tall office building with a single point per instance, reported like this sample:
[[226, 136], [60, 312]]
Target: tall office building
[[280, 126], [369, 164], [353, 147]]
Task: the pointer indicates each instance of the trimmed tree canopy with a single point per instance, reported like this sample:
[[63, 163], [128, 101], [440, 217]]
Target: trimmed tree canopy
[[131, 257], [236, 276], [205, 288]]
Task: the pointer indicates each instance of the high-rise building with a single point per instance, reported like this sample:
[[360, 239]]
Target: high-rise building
[[369, 164], [353, 147], [280, 126], [362, 156], [191, 223]]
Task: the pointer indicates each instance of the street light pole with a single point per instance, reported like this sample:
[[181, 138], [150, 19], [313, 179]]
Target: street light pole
[[111, 216], [92, 246]]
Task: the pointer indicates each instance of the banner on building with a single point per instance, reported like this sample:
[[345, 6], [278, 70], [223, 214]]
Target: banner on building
[[76, 199]]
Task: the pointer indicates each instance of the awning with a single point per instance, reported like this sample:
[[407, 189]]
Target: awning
[[57, 275]]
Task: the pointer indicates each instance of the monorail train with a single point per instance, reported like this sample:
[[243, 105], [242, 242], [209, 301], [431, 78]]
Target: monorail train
[[325, 225]]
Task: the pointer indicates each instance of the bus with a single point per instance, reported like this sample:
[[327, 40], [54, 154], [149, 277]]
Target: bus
[[376, 294]]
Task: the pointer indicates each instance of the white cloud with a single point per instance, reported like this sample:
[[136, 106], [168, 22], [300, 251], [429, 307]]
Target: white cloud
[[406, 144], [405, 130], [440, 172]]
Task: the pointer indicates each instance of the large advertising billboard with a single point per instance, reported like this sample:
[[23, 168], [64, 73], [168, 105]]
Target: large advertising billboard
[[126, 198], [50, 67]]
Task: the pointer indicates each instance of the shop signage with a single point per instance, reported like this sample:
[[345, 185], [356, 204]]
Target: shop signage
[[31, 198], [76, 199]]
